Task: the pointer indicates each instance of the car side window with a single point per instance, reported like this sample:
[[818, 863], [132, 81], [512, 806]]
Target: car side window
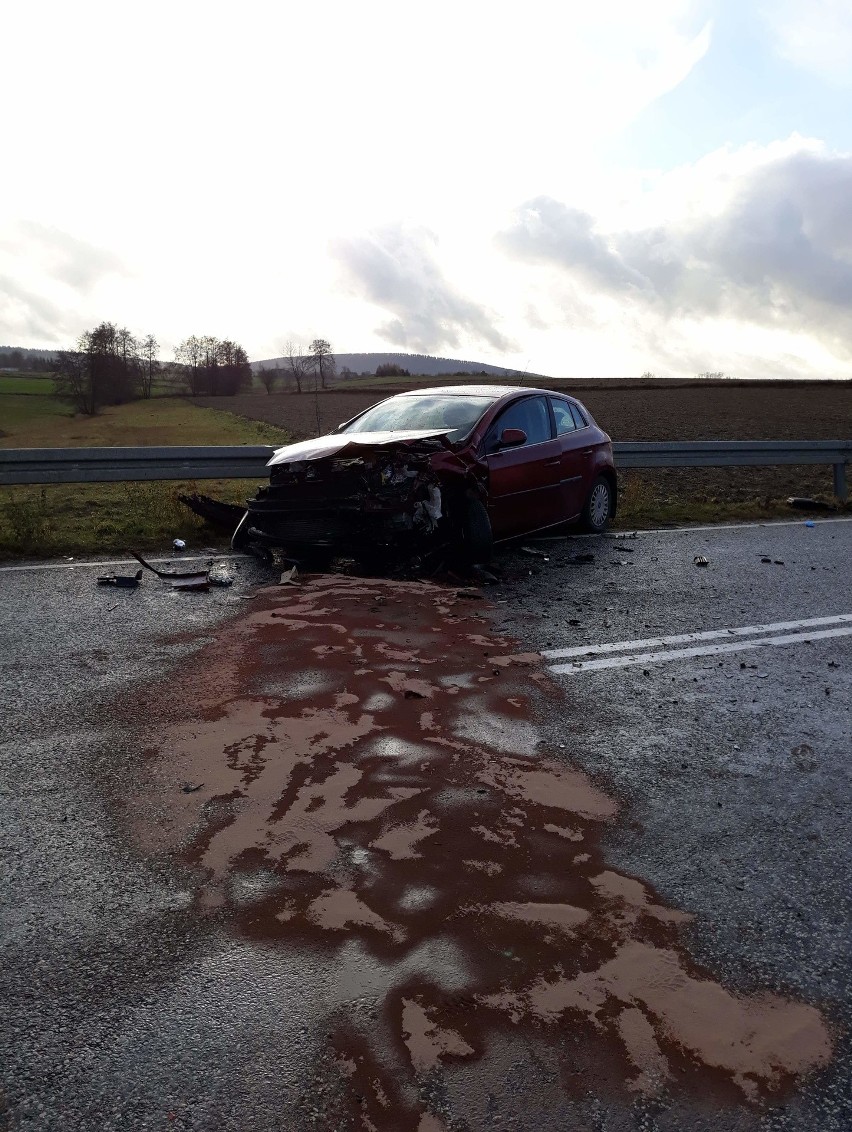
[[579, 417], [531, 415], [562, 415]]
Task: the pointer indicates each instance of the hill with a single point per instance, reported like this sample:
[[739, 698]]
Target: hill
[[425, 364]]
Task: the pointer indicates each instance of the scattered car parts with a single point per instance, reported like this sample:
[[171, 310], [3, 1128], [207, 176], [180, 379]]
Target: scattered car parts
[[183, 580], [121, 581]]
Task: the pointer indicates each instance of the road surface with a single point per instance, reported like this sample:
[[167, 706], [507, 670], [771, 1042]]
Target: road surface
[[355, 856]]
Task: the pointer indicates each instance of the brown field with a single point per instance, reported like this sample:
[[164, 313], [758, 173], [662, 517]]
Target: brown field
[[633, 410], [627, 410]]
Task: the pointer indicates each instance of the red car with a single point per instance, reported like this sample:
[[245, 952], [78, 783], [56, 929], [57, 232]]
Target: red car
[[458, 467]]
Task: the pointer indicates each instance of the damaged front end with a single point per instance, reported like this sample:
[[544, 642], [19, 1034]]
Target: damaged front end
[[358, 499]]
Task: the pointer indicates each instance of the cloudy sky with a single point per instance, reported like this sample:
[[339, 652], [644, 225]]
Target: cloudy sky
[[572, 188]]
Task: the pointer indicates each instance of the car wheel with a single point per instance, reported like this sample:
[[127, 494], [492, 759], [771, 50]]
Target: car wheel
[[477, 541], [597, 510]]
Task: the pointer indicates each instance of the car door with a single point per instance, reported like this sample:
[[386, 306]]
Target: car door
[[574, 456], [523, 480]]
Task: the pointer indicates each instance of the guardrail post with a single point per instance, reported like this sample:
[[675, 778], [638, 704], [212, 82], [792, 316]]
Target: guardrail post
[[840, 488]]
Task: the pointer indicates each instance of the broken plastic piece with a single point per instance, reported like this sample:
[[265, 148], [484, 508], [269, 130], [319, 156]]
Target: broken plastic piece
[[288, 578], [190, 580], [700, 560], [223, 516], [802, 503], [121, 581], [810, 523], [179, 544]]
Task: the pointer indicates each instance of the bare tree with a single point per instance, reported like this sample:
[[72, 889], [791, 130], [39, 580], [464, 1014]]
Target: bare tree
[[322, 360], [188, 354], [233, 370], [268, 377], [297, 366], [210, 357], [127, 351], [149, 348], [71, 382]]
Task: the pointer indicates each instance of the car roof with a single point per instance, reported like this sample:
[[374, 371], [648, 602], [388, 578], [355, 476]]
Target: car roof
[[495, 392]]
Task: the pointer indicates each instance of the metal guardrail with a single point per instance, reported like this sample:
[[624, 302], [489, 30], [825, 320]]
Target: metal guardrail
[[103, 465], [737, 454]]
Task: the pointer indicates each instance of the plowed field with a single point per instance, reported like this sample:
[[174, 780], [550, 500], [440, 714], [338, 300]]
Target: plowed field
[[726, 411]]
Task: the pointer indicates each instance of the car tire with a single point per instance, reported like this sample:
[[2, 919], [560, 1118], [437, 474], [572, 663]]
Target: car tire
[[477, 540], [598, 508]]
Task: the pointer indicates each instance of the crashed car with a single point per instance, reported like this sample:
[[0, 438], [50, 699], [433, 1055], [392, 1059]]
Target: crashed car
[[453, 469]]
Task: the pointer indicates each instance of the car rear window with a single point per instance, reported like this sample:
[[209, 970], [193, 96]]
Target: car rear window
[[562, 415], [579, 416]]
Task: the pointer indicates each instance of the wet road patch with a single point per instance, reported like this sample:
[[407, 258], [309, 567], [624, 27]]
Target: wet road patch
[[379, 817]]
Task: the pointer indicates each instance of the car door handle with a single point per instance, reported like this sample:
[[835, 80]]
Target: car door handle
[[552, 463], [587, 451]]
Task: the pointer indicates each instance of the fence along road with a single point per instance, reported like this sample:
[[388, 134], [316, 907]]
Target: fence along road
[[104, 465]]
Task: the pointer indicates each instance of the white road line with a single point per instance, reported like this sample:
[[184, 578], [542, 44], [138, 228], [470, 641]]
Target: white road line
[[692, 638], [619, 535], [579, 666], [117, 562]]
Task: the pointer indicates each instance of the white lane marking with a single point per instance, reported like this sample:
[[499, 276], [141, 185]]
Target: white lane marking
[[118, 562], [619, 536], [579, 666], [692, 638]]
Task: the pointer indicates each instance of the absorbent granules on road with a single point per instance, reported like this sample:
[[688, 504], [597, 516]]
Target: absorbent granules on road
[[368, 790]]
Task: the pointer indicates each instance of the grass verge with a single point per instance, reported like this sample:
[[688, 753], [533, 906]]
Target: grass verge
[[98, 519], [83, 519], [95, 519]]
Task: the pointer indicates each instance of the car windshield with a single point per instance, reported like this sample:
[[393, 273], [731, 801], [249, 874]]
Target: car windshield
[[415, 412]]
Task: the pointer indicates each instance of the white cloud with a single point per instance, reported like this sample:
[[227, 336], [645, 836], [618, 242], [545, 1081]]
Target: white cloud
[[816, 36], [397, 269], [767, 266]]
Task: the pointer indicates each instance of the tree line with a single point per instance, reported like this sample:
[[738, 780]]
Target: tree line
[[314, 370], [112, 366], [25, 361]]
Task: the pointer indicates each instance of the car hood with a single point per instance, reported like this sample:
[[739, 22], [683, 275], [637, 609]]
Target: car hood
[[335, 443]]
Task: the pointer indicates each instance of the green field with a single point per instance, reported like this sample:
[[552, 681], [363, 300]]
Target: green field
[[43, 422], [34, 384], [109, 518]]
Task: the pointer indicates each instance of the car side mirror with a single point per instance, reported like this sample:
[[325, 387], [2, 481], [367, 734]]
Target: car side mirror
[[512, 437]]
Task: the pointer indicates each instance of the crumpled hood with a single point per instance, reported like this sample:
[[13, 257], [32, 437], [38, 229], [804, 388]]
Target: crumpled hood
[[332, 445]]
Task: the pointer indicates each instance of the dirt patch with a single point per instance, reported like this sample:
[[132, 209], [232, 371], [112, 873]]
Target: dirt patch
[[330, 810]]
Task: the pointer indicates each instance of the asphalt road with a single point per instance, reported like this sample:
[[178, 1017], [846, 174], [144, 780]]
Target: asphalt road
[[126, 1006]]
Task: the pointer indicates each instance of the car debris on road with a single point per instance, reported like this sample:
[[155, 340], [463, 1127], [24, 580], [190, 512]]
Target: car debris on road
[[191, 580], [121, 581], [803, 503]]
